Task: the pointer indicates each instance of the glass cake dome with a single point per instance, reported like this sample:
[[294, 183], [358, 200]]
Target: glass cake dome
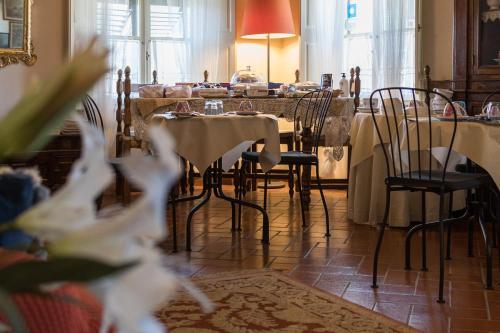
[[246, 76]]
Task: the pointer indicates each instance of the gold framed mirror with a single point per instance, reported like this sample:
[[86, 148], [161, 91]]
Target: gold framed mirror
[[15, 33]]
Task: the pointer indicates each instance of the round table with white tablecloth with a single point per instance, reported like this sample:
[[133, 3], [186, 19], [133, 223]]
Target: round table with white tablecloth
[[477, 141]]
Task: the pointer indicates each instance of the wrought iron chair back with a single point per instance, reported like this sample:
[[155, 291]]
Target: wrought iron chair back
[[92, 112], [310, 114], [400, 162]]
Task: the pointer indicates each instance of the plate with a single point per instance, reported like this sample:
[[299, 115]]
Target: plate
[[247, 113], [181, 114]]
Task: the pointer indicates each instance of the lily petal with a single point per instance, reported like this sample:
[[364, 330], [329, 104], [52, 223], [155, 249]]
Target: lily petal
[[72, 207]]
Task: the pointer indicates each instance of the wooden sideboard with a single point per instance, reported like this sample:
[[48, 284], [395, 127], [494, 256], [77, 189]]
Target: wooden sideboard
[[476, 44], [54, 161]]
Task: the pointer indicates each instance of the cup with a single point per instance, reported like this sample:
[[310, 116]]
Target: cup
[[246, 105], [492, 110], [220, 106], [448, 110], [183, 107]]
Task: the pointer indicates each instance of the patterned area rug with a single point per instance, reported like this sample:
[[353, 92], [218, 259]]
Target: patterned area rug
[[267, 301]]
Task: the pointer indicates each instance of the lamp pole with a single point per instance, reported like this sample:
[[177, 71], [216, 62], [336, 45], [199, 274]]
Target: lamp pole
[[268, 58]]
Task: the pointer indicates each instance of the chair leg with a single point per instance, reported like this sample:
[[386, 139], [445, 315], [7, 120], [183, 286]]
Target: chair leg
[[381, 237], [191, 179], [497, 218], [470, 230], [302, 205], [423, 217], [424, 234], [291, 181], [491, 204], [266, 176], [487, 241], [236, 178], [242, 189], [184, 177], [325, 206], [441, 249], [448, 242]]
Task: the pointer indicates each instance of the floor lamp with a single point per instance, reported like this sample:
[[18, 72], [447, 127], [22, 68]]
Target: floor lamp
[[268, 19]]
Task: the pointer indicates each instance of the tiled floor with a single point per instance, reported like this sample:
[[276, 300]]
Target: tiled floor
[[342, 264]]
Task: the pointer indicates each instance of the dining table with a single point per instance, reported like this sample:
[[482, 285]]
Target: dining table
[[213, 143], [475, 139], [336, 129]]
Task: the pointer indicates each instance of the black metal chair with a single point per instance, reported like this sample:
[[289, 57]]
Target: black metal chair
[[310, 114], [410, 165]]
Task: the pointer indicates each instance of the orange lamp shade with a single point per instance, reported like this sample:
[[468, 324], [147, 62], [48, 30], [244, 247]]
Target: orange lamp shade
[[267, 17]]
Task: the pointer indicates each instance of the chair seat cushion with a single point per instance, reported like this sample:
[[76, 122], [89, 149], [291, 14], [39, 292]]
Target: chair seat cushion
[[289, 157], [453, 181]]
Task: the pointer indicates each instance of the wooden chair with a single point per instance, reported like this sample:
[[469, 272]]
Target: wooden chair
[[405, 172]]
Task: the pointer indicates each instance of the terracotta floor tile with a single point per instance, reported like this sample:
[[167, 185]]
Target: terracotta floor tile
[[396, 311], [407, 278], [342, 264]]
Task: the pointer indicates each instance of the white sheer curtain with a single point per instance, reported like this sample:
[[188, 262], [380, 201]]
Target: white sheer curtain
[[209, 38], [84, 18], [323, 40], [202, 43], [380, 39], [394, 46]]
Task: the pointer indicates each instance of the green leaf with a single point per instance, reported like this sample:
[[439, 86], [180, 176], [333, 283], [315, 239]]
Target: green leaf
[[28, 276], [11, 313]]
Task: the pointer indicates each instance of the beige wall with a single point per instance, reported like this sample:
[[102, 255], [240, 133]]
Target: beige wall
[[50, 42], [437, 21]]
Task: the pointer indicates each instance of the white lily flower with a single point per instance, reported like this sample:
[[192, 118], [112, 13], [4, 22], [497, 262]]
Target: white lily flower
[[119, 238], [72, 207]]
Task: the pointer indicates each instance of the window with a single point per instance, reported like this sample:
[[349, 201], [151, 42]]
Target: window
[[167, 36], [379, 36]]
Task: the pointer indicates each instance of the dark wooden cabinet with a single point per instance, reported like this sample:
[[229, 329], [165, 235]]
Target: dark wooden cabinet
[[476, 44], [54, 161]]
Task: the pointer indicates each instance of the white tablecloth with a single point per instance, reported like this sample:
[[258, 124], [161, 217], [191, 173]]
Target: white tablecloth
[[202, 140], [336, 128], [477, 141]]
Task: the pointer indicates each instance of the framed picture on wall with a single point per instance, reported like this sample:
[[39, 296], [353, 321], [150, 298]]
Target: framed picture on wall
[[13, 10], [16, 35], [4, 41]]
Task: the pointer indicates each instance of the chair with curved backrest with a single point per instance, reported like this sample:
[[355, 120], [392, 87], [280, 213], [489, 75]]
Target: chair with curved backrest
[[92, 112], [310, 114], [407, 135]]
